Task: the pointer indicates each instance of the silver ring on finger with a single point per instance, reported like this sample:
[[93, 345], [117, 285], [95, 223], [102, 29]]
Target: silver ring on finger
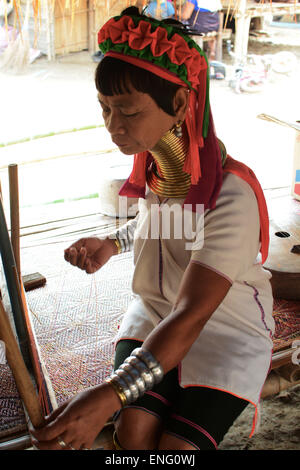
[[62, 443]]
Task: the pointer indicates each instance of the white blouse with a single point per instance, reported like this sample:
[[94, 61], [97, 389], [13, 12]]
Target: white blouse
[[233, 351]]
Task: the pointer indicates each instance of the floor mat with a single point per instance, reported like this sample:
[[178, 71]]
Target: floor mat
[[12, 416], [75, 318]]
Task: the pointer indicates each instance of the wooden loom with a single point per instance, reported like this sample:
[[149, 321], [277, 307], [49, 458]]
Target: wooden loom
[[43, 398], [18, 352]]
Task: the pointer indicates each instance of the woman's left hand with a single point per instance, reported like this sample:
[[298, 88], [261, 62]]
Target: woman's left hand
[[76, 423]]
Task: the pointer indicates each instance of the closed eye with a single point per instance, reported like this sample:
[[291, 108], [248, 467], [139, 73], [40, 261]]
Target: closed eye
[[130, 115], [106, 110]]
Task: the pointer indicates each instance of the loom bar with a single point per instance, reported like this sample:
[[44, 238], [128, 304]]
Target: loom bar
[[13, 286], [21, 375], [15, 213]]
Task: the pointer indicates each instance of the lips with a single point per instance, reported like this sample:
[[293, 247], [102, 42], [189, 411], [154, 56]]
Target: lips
[[119, 144]]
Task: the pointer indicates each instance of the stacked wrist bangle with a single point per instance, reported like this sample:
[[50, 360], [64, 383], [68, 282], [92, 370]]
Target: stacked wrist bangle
[[118, 245], [139, 373]]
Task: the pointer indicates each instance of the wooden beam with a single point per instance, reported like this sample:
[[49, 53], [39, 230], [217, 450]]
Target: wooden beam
[[21, 375], [13, 286], [242, 22], [14, 214]]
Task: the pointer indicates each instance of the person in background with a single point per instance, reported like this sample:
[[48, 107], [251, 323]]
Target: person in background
[[160, 12], [203, 16]]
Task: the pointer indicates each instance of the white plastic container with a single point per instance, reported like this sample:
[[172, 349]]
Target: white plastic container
[[111, 204], [295, 183]]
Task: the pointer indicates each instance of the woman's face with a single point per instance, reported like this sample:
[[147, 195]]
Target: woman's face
[[134, 121]]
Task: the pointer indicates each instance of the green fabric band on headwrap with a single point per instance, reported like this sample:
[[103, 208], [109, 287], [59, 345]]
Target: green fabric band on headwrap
[[146, 54]]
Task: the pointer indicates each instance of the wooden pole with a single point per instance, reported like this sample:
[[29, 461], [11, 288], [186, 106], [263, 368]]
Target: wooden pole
[[15, 213], [13, 286], [242, 23], [21, 375]]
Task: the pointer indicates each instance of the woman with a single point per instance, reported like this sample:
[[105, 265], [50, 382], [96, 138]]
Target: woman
[[203, 16], [194, 347]]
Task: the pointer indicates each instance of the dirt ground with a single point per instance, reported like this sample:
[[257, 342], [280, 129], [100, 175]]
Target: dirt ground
[[50, 97], [279, 427]]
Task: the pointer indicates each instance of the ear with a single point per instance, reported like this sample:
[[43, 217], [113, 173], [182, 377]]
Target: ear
[[181, 102]]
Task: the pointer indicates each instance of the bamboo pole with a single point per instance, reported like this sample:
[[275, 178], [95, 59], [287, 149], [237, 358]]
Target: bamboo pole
[[242, 22], [21, 375], [15, 213], [290, 372], [13, 285], [276, 384]]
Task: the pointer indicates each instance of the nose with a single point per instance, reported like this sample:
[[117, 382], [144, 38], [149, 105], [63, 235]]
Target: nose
[[114, 123]]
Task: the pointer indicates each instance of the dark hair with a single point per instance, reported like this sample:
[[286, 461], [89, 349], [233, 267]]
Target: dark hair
[[114, 76]]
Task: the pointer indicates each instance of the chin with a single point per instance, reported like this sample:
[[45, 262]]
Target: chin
[[131, 149], [127, 151]]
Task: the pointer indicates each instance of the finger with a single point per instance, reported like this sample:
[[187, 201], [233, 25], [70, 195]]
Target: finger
[[85, 447], [78, 445], [91, 267], [49, 445], [68, 251], [51, 431], [88, 445], [56, 412], [67, 254], [73, 255], [48, 419], [75, 445], [81, 257]]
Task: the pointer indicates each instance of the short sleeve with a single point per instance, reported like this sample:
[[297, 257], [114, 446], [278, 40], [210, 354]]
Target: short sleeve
[[231, 231]]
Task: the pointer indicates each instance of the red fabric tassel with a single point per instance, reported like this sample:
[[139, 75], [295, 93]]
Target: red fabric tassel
[[192, 161], [138, 174]]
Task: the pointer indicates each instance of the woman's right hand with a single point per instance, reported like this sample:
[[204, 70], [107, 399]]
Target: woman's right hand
[[90, 254]]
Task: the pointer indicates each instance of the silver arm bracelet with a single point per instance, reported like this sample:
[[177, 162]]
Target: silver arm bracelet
[[136, 377], [124, 386], [139, 373], [150, 362], [157, 373], [130, 382], [143, 370]]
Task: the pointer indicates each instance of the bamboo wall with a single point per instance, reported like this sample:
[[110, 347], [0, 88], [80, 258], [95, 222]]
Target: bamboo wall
[[102, 10], [76, 23], [71, 27], [64, 26]]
